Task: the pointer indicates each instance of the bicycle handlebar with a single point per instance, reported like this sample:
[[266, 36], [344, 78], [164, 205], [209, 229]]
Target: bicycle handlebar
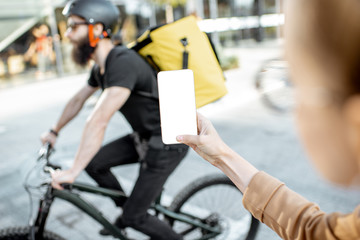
[[44, 153]]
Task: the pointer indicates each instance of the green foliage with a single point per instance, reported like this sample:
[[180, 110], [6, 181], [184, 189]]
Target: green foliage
[[229, 62]]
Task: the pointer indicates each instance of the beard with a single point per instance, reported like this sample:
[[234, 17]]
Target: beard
[[82, 51]]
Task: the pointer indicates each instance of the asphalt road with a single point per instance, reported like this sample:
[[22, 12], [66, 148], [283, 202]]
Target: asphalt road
[[267, 140]]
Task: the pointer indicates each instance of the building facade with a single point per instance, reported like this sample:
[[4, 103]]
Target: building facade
[[25, 49]]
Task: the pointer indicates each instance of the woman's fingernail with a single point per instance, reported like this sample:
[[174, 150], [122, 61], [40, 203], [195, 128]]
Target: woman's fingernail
[[179, 138]]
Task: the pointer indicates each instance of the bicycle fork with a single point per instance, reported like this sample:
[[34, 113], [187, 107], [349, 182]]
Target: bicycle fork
[[37, 229]]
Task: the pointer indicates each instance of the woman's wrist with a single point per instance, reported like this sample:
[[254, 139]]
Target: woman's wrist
[[237, 169]]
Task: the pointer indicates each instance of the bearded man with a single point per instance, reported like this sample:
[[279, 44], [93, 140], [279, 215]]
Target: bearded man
[[122, 75]]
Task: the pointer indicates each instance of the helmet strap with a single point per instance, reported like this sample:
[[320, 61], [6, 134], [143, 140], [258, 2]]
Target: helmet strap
[[94, 40]]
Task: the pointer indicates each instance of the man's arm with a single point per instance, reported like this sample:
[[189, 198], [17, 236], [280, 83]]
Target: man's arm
[[111, 100], [74, 106], [71, 109]]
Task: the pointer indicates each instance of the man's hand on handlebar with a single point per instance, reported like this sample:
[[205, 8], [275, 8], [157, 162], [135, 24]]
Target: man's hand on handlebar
[[48, 137], [59, 177]]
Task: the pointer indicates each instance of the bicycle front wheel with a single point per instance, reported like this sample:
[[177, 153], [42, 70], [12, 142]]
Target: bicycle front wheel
[[215, 201], [23, 233]]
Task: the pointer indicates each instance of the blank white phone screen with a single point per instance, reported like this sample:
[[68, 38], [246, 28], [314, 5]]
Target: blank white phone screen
[[177, 104]]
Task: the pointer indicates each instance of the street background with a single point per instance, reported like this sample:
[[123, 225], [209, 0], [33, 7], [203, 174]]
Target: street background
[[268, 140]]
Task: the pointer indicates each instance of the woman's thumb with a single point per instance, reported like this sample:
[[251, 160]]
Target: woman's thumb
[[188, 139]]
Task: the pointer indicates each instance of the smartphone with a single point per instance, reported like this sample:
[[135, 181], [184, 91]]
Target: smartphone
[[177, 104]]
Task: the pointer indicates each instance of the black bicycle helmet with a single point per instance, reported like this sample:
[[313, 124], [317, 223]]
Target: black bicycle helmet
[[95, 11]]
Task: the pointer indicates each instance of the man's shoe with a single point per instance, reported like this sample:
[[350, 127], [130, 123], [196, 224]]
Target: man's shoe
[[105, 232]]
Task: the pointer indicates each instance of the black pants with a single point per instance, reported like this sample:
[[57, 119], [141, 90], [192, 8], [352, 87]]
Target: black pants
[[159, 162]]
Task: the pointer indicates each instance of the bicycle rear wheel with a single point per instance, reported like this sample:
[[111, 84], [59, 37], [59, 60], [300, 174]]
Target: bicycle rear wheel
[[216, 201], [22, 233]]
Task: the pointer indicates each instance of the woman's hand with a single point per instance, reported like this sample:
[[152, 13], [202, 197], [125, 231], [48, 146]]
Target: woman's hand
[[207, 143], [209, 146]]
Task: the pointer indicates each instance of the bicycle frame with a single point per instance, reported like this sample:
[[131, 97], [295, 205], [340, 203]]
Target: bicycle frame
[[78, 202], [93, 212], [37, 229]]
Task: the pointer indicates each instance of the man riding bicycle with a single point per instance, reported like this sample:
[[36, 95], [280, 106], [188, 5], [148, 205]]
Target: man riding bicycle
[[121, 74]]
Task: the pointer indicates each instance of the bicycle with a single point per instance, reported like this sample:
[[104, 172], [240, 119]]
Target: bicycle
[[273, 82], [186, 214]]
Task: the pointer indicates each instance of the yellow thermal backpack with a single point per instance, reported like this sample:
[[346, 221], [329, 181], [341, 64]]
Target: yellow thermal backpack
[[180, 45]]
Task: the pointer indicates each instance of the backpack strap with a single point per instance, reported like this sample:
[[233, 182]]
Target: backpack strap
[[143, 43], [185, 62]]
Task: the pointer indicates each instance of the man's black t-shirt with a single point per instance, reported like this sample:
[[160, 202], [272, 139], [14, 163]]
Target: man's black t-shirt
[[125, 68]]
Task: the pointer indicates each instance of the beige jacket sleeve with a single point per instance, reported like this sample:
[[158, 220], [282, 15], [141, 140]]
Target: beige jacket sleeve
[[293, 217]]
